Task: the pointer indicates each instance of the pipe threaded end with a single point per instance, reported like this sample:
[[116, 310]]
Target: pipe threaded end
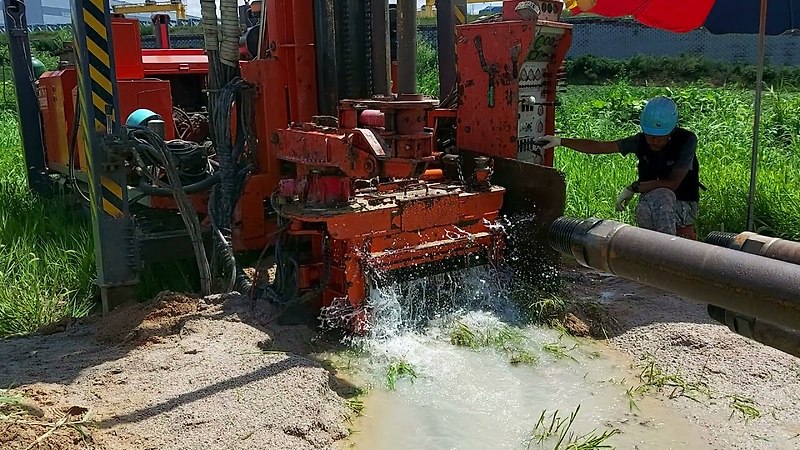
[[721, 239], [561, 234]]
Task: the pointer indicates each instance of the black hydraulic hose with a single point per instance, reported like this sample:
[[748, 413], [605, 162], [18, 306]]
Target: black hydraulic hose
[[73, 146], [194, 188], [146, 139], [233, 172]]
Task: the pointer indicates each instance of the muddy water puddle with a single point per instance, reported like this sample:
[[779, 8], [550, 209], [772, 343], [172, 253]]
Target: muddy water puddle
[[471, 396]]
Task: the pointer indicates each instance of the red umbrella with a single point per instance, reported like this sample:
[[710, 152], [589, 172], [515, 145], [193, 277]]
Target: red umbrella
[[723, 16], [679, 16]]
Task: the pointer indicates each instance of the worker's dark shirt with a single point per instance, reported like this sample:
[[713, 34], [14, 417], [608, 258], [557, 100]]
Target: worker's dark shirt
[[679, 153]]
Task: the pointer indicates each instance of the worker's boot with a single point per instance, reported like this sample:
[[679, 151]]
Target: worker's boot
[[687, 232]]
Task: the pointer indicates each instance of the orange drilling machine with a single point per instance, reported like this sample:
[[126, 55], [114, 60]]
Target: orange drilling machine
[[305, 135]]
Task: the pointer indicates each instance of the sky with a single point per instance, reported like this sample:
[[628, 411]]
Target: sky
[[193, 6]]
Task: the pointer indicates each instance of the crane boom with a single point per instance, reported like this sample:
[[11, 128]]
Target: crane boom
[[175, 6]]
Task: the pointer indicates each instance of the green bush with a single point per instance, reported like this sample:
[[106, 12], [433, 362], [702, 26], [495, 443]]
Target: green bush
[[664, 70], [427, 68]]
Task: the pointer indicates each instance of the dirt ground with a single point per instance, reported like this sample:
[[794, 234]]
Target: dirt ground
[[678, 336], [187, 373], [177, 373]]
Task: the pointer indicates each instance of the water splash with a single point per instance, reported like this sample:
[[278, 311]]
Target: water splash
[[474, 398]]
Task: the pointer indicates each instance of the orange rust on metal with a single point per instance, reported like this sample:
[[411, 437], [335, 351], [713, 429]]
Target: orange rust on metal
[[489, 58], [406, 226], [489, 103]]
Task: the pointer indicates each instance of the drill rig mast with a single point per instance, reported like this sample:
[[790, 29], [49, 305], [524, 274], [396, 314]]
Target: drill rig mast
[[311, 144]]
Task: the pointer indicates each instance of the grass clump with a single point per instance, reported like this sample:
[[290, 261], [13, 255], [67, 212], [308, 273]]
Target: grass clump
[[520, 356], [398, 370], [558, 350], [504, 338], [747, 408], [654, 378], [463, 336], [354, 398], [547, 308], [553, 427]]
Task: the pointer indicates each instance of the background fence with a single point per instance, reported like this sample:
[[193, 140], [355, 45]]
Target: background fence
[[623, 39]]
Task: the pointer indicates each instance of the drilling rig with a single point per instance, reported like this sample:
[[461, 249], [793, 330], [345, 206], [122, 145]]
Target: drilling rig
[[304, 137]]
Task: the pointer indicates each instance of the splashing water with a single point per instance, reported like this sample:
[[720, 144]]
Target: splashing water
[[474, 398]]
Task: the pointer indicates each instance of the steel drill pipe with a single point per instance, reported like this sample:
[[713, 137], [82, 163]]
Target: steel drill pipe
[[756, 244], [775, 336], [750, 285], [406, 47]]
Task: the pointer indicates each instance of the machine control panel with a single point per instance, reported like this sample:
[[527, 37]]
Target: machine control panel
[[536, 101]]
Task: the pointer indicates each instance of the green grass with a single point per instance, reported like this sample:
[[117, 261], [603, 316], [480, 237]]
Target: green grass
[[558, 350], [503, 337], [522, 356], [427, 69], [507, 339], [398, 370], [654, 378], [552, 428], [46, 253], [747, 408]]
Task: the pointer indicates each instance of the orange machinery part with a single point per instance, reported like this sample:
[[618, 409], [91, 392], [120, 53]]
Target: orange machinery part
[[291, 77], [423, 224], [58, 97], [58, 112], [489, 57]]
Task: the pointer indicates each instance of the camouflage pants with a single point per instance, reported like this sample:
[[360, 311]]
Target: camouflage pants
[[659, 210]]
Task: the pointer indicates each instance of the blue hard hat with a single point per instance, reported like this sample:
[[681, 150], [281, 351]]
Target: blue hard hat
[[659, 117], [140, 117]]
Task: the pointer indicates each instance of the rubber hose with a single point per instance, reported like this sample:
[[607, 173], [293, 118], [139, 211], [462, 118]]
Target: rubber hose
[[200, 186]]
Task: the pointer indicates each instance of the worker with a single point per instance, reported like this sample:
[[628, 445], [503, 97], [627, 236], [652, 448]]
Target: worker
[[668, 181]]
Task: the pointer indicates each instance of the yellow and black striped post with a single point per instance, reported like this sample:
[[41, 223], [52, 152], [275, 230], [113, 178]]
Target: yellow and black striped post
[[111, 222], [460, 11]]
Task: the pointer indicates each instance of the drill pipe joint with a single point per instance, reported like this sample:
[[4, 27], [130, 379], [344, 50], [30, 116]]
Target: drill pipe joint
[[750, 285]]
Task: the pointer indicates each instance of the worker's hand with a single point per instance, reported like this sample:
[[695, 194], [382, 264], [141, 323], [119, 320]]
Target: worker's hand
[[546, 142], [623, 199]]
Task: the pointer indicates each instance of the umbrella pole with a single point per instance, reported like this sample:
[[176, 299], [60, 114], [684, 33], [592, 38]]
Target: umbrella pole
[[762, 32]]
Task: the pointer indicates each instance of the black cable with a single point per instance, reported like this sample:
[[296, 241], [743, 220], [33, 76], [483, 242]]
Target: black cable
[[73, 145], [194, 188], [233, 171], [146, 141]]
